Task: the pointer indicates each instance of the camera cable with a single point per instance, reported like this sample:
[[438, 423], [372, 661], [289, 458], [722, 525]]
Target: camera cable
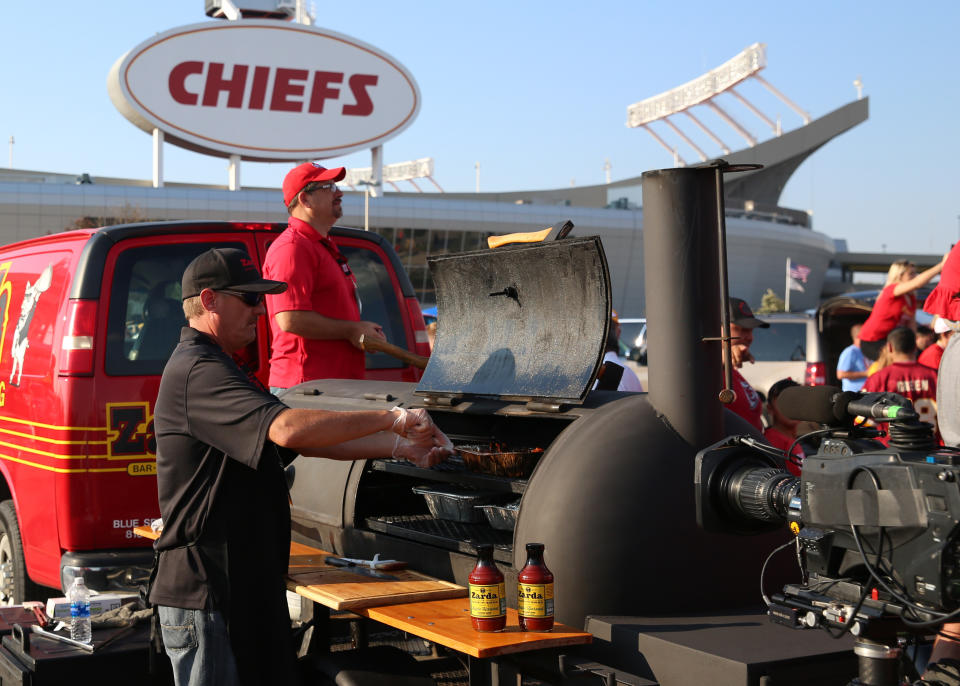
[[763, 570], [819, 432], [900, 594]]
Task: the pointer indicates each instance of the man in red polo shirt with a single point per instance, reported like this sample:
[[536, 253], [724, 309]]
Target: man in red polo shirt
[[315, 323]]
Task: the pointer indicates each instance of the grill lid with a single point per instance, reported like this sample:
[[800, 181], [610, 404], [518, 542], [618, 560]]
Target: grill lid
[[524, 322]]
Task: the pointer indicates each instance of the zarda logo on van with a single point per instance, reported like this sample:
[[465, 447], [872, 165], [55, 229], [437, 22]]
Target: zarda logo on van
[[130, 430]]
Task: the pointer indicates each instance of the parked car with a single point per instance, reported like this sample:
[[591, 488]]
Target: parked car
[[790, 348], [90, 318], [805, 346]]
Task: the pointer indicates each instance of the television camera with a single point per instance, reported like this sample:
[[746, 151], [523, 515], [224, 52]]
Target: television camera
[[875, 526]]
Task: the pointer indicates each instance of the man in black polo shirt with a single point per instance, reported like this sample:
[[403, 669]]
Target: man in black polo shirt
[[222, 444]]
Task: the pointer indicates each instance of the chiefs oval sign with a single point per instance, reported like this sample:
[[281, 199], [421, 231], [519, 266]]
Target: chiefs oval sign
[[264, 90]]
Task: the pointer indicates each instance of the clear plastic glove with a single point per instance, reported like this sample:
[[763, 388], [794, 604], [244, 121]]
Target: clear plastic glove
[[420, 455], [415, 425], [423, 448]]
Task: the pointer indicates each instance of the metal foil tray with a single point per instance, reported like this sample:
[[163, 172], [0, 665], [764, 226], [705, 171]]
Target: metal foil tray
[[451, 471], [458, 536]]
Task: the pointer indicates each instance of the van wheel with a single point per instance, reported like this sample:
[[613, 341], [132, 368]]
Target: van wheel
[[15, 585]]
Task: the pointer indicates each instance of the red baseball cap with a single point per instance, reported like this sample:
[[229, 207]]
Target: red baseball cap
[[305, 173]]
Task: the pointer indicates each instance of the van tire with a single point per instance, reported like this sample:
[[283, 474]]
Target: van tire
[[15, 584]]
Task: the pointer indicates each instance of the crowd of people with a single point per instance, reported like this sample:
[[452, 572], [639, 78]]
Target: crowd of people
[[888, 352]]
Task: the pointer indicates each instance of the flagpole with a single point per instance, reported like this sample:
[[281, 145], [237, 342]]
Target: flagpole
[[786, 299]]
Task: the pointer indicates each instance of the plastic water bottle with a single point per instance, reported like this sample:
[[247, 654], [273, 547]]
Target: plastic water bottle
[[79, 596]]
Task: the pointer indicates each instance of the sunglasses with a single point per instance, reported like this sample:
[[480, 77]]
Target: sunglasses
[[324, 187], [251, 299]]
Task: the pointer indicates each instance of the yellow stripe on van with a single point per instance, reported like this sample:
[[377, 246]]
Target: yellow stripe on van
[[56, 456], [60, 470], [55, 441], [52, 426], [75, 456]]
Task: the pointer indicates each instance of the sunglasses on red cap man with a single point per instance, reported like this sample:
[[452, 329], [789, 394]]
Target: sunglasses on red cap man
[[309, 172]]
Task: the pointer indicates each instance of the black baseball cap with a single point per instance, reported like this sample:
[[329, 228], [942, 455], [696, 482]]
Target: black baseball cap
[[742, 315], [226, 269]]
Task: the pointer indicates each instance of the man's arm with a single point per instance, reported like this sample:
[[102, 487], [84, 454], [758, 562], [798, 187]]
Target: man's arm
[[409, 434], [841, 374], [315, 325]]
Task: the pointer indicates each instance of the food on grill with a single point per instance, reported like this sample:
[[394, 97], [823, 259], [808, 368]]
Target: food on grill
[[500, 460]]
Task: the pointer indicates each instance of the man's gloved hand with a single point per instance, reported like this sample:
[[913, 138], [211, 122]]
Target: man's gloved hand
[[416, 425], [945, 672], [418, 438]]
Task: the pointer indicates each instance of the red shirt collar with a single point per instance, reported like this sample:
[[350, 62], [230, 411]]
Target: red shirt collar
[[304, 229]]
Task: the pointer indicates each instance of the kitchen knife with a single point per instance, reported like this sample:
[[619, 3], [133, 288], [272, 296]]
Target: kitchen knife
[[353, 567]]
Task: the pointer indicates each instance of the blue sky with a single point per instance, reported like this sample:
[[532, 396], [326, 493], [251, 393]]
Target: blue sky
[[537, 92]]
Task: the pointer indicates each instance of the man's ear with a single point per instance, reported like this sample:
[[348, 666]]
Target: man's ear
[[303, 200], [208, 299]]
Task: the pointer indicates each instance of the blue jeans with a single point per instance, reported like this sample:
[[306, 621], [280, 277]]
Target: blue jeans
[[198, 646]]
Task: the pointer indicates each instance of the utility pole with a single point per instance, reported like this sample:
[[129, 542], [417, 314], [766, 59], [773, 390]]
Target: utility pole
[[476, 166], [606, 168], [10, 164]]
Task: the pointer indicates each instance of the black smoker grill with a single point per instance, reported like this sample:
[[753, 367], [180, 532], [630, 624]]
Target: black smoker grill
[[518, 348]]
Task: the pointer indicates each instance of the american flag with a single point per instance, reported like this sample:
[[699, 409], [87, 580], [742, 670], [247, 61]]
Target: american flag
[[798, 271]]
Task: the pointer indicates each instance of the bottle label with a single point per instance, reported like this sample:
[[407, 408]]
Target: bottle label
[[488, 600], [79, 609], [535, 600]]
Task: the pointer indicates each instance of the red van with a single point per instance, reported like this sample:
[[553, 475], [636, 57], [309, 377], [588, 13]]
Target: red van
[[89, 319]]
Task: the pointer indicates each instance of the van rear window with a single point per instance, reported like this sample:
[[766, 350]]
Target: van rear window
[[782, 342], [146, 314]]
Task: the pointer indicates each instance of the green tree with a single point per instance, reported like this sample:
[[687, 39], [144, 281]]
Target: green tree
[[771, 302]]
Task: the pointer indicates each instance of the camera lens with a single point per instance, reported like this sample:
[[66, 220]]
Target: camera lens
[[762, 493]]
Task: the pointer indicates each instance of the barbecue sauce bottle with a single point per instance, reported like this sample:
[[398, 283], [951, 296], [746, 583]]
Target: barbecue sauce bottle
[[488, 597], [535, 592]]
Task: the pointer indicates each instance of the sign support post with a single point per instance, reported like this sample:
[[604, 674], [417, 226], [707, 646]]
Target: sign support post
[[233, 173], [157, 158]]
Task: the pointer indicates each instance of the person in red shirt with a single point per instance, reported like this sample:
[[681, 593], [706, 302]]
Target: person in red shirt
[[896, 305], [944, 300], [315, 323], [905, 376], [932, 354], [782, 433], [747, 402]]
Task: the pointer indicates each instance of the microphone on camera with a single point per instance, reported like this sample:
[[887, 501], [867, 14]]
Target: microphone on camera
[[830, 405]]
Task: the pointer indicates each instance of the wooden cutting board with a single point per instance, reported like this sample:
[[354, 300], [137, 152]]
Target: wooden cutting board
[[341, 589]]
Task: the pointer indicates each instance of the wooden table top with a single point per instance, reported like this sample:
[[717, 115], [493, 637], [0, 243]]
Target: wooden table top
[[146, 532], [447, 622]]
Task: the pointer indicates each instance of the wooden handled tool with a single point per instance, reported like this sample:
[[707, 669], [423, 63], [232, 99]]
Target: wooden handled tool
[[551, 233], [375, 345]]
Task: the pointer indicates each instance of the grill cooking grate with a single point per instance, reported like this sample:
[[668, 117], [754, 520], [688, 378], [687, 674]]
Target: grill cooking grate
[[457, 536], [451, 471]]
